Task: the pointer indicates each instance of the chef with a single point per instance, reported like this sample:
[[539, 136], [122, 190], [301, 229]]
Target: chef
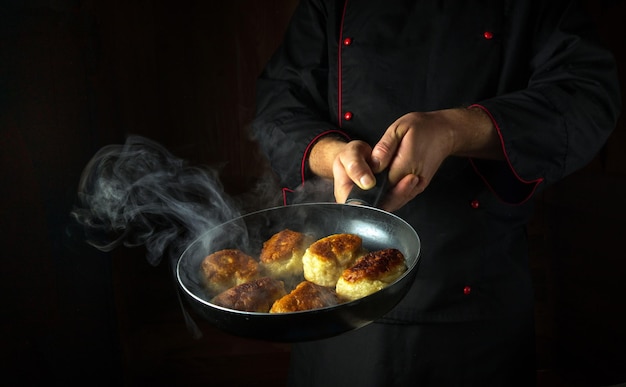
[[473, 107]]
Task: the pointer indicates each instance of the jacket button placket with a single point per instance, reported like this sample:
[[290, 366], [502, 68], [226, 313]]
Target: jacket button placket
[[347, 116]]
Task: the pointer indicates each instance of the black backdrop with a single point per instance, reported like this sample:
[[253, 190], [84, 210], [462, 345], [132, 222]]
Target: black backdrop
[[76, 75]]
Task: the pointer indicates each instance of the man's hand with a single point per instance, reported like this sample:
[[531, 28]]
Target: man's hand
[[347, 163], [416, 144], [412, 148]]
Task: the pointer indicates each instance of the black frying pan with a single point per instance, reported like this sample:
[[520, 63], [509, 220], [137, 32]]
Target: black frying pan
[[378, 229]]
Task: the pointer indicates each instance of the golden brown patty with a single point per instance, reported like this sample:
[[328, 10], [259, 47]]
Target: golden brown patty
[[305, 296], [227, 268], [255, 296], [324, 261], [281, 256], [371, 273], [282, 245]]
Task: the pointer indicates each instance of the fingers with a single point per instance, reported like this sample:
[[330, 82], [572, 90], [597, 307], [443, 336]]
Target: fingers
[[342, 182], [358, 162], [411, 149], [354, 160], [386, 148], [351, 167], [404, 191]]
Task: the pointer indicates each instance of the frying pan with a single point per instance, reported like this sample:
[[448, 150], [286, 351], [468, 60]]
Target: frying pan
[[377, 228]]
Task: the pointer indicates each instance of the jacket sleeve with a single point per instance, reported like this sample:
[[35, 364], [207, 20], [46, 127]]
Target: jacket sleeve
[[292, 96], [559, 122]]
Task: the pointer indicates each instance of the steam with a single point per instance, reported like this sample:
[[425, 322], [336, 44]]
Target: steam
[[138, 193]]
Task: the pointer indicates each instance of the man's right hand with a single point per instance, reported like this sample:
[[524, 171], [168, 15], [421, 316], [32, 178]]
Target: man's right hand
[[347, 163]]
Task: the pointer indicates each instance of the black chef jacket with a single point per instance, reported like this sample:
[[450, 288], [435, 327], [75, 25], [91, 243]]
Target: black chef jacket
[[351, 68], [354, 67]]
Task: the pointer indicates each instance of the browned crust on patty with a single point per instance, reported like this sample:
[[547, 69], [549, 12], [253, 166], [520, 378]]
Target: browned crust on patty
[[306, 296], [255, 296], [282, 246], [374, 265], [229, 267], [332, 247]]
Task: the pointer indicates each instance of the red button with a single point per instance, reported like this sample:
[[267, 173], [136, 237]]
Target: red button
[[467, 290], [488, 35], [475, 203], [347, 116], [347, 41]]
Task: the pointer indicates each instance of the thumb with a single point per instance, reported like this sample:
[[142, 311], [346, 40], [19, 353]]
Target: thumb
[[384, 151]]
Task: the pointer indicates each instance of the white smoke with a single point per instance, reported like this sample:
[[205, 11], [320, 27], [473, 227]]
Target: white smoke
[[138, 193]]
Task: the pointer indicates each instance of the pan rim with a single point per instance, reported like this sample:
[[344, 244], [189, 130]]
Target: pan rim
[[309, 312]]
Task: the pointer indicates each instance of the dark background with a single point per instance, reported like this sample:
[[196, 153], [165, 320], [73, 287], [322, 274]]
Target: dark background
[[78, 75]]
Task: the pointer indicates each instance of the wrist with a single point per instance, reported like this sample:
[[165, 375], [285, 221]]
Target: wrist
[[474, 134], [323, 154]]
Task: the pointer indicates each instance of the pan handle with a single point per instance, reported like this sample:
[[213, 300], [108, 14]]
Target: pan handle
[[370, 197]]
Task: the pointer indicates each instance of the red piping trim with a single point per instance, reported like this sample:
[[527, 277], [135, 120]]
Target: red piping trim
[[339, 73], [285, 190], [536, 182], [339, 109], [484, 179]]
